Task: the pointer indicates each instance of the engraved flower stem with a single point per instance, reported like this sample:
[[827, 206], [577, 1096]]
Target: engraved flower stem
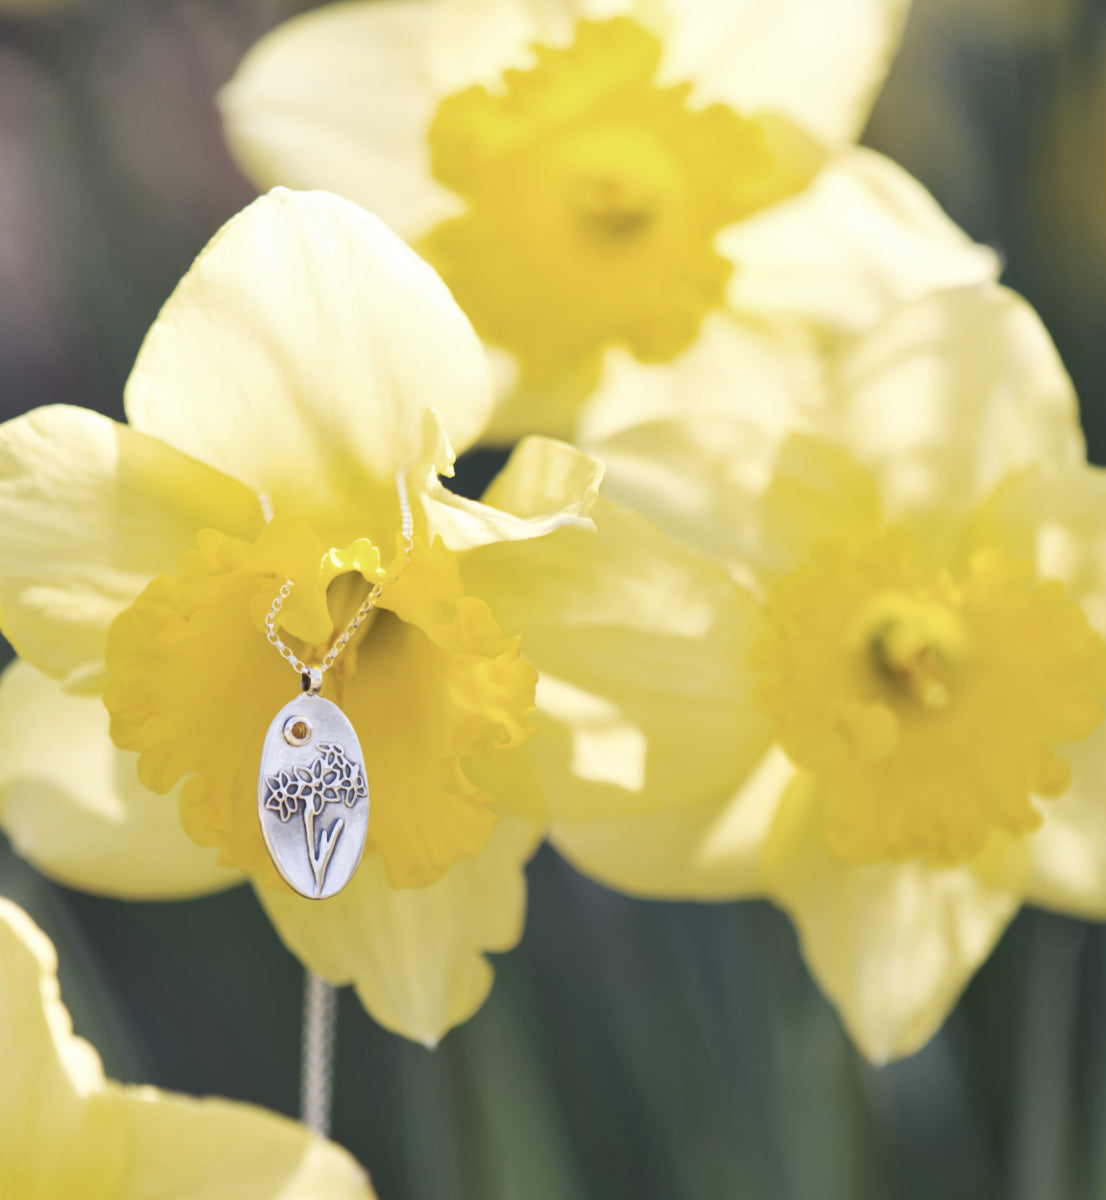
[[319, 855]]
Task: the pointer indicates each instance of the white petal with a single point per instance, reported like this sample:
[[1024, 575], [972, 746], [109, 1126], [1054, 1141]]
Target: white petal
[[300, 355], [549, 485], [951, 395], [892, 945], [710, 850], [72, 804], [820, 62], [1068, 852], [416, 955], [862, 239], [342, 98]]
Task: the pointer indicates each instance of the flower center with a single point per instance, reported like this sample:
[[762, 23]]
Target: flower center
[[914, 645], [611, 209], [617, 184], [594, 198], [931, 706]]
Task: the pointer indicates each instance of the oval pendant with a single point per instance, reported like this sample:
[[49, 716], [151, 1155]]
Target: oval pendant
[[312, 797]]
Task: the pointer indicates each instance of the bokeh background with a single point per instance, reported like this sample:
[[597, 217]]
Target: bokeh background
[[629, 1050]]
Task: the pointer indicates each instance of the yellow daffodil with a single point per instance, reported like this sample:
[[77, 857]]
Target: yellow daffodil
[[899, 738], [66, 1131], [597, 173], [306, 358]]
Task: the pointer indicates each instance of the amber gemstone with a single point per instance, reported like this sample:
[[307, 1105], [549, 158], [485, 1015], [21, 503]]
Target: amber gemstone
[[297, 731]]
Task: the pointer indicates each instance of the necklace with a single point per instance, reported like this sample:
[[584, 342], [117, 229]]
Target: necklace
[[312, 766]]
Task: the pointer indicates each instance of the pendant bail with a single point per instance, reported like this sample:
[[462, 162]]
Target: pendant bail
[[311, 681]]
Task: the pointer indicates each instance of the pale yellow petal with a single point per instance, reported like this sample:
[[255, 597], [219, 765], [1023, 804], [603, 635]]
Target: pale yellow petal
[[65, 1132], [732, 488], [342, 98], [1068, 852], [300, 354], [642, 646], [731, 369], [416, 955], [551, 485], [511, 777], [1055, 515], [710, 850], [917, 420], [702, 479], [817, 491], [90, 511], [61, 1135], [891, 945], [819, 63], [691, 444], [862, 239], [952, 394], [72, 805], [792, 58], [186, 1149]]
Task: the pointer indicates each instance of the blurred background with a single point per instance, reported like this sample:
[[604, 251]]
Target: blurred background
[[629, 1050]]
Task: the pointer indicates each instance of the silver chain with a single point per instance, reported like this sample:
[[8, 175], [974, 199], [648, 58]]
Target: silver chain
[[315, 674], [320, 1023]]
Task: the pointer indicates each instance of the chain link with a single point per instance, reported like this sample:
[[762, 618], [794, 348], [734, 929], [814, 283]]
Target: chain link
[[340, 643]]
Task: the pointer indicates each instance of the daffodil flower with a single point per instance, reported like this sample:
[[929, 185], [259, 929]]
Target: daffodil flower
[[900, 739], [596, 173], [67, 1131], [306, 358]]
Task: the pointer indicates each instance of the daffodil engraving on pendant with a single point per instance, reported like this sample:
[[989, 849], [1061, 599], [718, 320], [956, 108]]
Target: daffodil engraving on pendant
[[312, 798]]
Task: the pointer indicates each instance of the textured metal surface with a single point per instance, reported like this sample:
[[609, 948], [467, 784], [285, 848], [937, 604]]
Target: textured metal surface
[[320, 1021], [312, 798]]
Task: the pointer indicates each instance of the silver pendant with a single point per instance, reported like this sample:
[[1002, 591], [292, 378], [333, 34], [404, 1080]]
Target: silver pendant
[[312, 797]]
